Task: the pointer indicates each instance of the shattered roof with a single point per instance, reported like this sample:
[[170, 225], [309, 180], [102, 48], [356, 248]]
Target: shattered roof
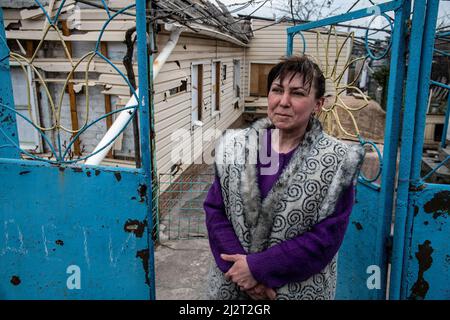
[[191, 12]]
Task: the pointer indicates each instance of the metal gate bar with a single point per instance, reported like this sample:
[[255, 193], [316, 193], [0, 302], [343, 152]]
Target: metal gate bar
[[92, 221], [367, 244]]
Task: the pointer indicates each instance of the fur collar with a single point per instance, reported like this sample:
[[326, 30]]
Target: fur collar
[[259, 213]]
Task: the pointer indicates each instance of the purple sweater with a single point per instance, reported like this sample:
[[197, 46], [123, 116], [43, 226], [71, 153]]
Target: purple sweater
[[298, 258]]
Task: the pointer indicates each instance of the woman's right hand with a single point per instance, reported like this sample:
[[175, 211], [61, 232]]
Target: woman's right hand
[[261, 292]]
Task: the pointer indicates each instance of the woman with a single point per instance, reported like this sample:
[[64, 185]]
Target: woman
[[275, 233]]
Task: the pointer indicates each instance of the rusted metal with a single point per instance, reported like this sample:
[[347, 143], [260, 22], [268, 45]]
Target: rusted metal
[[144, 256], [15, 280], [427, 266], [136, 227], [439, 205], [142, 190], [423, 256], [67, 228]]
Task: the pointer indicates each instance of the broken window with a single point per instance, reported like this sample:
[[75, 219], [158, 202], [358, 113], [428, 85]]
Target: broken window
[[258, 78], [197, 92], [224, 72], [216, 86], [237, 78], [181, 88], [25, 100]]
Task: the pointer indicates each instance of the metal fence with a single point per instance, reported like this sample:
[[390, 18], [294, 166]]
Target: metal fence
[[181, 197]]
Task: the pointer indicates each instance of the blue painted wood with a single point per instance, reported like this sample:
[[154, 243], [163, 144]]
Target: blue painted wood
[[8, 130], [56, 217], [358, 250], [427, 264], [144, 120], [412, 84], [65, 223], [426, 256], [391, 140], [353, 15], [368, 246], [424, 87], [421, 253]]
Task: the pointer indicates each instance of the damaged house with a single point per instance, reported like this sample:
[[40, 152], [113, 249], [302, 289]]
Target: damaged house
[[214, 70]]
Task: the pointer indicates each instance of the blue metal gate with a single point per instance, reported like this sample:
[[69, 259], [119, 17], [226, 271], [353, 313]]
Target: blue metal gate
[[72, 231], [417, 252], [421, 253]]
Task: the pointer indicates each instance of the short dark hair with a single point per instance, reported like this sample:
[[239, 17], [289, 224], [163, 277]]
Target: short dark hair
[[305, 67]]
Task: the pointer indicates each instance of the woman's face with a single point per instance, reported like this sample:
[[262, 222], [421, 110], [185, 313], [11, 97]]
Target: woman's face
[[290, 104]]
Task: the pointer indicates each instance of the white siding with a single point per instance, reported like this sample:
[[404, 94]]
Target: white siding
[[269, 44], [171, 112], [175, 112]]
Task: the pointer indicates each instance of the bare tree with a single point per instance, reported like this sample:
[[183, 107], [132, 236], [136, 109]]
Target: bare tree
[[443, 21], [304, 10]]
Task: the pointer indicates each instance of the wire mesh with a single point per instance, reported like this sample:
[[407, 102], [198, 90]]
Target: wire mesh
[[181, 200]]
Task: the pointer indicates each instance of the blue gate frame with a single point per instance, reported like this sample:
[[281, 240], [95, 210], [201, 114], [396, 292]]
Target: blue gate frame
[[72, 231], [83, 232], [419, 243], [421, 253]]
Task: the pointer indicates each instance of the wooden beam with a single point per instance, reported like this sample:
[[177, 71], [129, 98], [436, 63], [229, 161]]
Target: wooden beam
[[62, 65], [108, 107], [200, 92], [116, 25], [217, 84], [11, 14], [91, 36], [117, 91], [87, 14], [38, 13], [119, 4], [29, 48], [92, 25], [72, 96]]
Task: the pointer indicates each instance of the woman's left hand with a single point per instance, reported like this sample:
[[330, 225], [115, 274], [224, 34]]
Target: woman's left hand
[[261, 292], [239, 273]]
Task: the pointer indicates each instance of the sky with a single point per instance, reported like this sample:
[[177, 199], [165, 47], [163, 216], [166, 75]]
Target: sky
[[338, 7]]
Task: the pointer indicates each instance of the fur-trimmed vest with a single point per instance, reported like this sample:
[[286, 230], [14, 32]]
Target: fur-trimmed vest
[[305, 193]]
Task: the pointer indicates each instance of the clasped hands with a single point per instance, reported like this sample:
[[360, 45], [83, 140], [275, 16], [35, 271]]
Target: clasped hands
[[240, 274]]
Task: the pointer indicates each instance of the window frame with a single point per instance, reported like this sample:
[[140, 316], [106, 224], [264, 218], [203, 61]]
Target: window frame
[[237, 94], [216, 108], [200, 93], [37, 142]]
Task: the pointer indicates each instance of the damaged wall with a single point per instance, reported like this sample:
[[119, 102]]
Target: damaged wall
[[173, 111]]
